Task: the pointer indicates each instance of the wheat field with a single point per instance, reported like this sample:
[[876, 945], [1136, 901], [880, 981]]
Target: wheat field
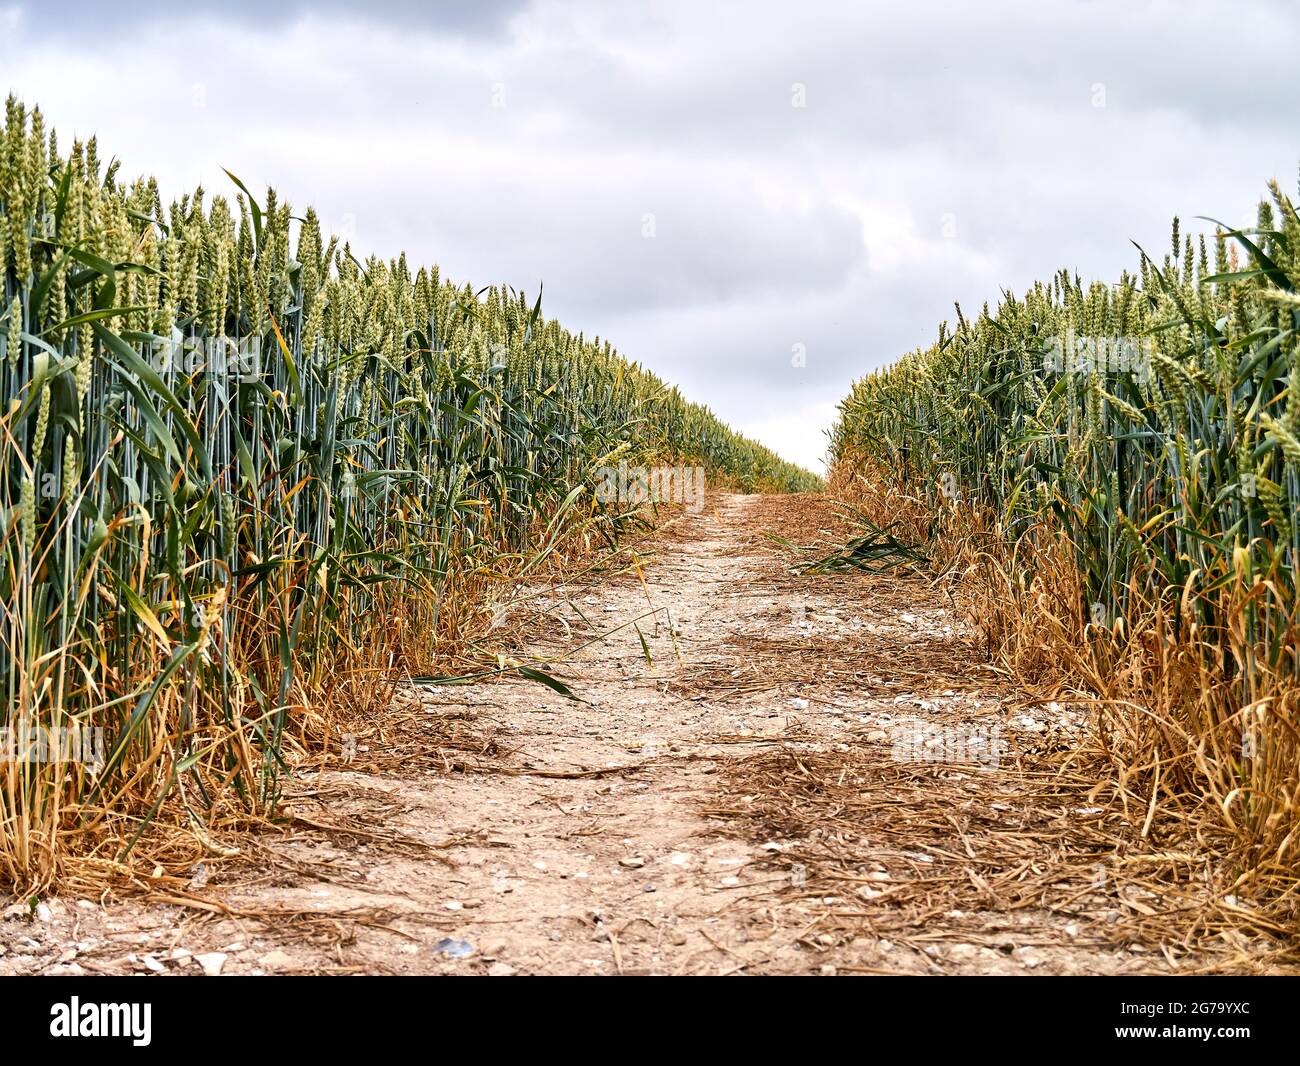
[[1114, 471], [230, 447]]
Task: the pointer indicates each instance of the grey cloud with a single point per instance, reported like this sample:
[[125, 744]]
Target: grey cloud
[[947, 151], [67, 18]]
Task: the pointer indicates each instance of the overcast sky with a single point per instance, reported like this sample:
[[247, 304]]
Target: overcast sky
[[709, 185]]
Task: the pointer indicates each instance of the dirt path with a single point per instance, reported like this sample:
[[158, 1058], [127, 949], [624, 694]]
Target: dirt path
[[810, 775]]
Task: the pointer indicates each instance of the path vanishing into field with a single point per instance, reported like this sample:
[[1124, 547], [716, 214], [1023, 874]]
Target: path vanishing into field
[[767, 773]]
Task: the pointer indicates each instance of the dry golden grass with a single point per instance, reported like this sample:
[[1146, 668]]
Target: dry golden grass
[[1167, 747]]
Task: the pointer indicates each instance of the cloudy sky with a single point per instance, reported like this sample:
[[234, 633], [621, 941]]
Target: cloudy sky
[[715, 187]]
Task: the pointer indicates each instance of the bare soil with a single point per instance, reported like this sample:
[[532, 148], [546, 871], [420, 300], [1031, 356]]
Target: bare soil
[[763, 773]]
